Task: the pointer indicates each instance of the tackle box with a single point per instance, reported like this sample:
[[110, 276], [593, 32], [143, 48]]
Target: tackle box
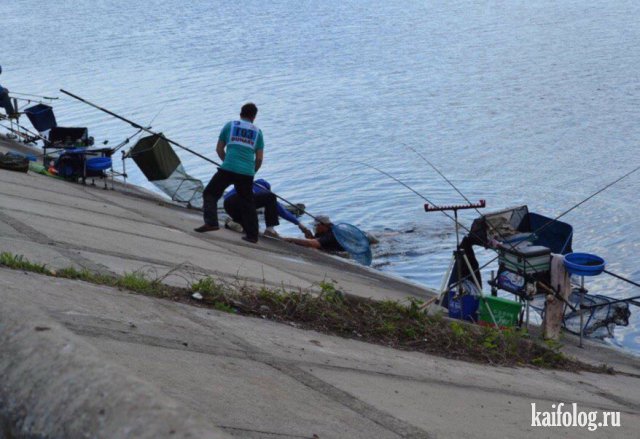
[[526, 260]]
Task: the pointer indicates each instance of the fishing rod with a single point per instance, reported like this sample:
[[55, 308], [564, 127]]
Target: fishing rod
[[138, 126], [469, 276], [622, 278], [51, 98], [502, 237], [162, 136], [411, 189], [27, 130], [441, 175], [590, 197], [556, 218], [149, 126]]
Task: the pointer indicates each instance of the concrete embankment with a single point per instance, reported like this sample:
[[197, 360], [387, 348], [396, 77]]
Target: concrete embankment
[[55, 384], [82, 360]]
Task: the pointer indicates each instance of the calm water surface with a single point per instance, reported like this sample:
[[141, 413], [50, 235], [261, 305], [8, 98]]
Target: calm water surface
[[516, 102]]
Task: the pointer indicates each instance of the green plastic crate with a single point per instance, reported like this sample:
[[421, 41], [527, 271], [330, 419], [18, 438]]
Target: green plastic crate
[[506, 312]]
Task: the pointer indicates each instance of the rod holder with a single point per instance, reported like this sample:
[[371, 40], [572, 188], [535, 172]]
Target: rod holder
[[455, 207]]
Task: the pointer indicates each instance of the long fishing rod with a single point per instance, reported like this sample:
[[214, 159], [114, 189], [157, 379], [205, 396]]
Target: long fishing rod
[[556, 218], [149, 126], [138, 126], [512, 246], [51, 98], [441, 175], [628, 299], [591, 196], [411, 189], [27, 130], [162, 136]]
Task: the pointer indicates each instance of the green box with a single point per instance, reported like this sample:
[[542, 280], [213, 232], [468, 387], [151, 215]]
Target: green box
[[506, 312]]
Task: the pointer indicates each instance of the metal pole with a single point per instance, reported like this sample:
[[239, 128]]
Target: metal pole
[[443, 285], [475, 280], [124, 168], [581, 310], [458, 265]]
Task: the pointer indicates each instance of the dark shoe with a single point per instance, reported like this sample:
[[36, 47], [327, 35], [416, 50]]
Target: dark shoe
[[251, 240], [206, 228]]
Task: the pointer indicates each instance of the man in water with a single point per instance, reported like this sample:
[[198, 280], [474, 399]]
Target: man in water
[[5, 100], [323, 238], [240, 147], [263, 197]]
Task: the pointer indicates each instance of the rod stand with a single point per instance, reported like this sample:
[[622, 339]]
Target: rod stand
[[582, 291]]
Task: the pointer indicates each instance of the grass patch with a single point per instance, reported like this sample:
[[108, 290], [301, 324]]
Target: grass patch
[[19, 262], [401, 325]]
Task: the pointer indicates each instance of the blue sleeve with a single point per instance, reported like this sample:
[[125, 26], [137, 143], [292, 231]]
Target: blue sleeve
[[230, 193], [286, 215]]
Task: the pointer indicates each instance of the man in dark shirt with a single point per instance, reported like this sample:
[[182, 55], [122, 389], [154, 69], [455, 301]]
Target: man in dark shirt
[[323, 238], [5, 100]]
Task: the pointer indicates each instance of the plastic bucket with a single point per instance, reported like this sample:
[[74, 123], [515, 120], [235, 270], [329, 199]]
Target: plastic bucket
[[584, 264], [99, 163], [469, 307]]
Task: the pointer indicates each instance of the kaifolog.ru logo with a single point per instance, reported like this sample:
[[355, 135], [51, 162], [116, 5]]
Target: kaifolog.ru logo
[[572, 417]]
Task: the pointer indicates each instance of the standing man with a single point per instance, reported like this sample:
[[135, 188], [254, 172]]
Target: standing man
[[240, 161], [5, 100]]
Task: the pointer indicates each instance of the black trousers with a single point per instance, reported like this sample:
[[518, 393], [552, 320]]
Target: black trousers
[[233, 206], [5, 102], [243, 185]]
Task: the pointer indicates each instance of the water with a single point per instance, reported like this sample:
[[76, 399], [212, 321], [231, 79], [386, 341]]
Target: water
[[516, 102]]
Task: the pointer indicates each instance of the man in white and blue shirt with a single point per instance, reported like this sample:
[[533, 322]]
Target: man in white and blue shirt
[[240, 146]]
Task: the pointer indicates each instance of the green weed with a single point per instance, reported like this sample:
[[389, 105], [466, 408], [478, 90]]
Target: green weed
[[19, 262]]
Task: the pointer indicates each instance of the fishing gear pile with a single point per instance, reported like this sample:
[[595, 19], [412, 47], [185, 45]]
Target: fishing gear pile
[[14, 162]]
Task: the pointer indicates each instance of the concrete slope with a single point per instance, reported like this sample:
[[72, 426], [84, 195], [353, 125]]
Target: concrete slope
[[80, 360], [257, 379], [56, 384]]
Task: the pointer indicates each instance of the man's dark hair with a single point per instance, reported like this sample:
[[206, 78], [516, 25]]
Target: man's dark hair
[[249, 111]]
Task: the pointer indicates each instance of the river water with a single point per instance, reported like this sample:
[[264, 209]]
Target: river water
[[516, 102]]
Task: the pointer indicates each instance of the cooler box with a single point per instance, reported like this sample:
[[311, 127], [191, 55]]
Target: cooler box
[[506, 312], [530, 260]]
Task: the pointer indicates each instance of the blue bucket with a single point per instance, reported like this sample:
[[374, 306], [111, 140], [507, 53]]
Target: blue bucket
[[99, 163], [584, 264], [470, 306]]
